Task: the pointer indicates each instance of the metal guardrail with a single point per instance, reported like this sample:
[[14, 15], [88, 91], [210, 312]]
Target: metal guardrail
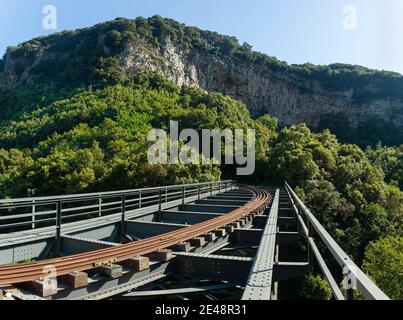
[[350, 270], [34, 213]]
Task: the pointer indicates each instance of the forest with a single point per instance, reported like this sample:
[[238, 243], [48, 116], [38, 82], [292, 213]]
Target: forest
[[95, 138], [81, 124]]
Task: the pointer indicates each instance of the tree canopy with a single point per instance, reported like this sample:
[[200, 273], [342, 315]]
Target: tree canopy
[[94, 138], [384, 264]]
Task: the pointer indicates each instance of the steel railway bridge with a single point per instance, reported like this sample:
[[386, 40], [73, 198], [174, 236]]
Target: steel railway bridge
[[211, 240]]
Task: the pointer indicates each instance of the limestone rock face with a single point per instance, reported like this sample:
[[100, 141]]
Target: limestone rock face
[[287, 96], [284, 94]]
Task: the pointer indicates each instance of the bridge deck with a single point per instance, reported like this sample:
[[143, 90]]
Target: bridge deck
[[239, 261], [259, 284]]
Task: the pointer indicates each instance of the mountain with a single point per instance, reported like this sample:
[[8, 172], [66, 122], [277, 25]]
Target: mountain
[[76, 109], [358, 104]]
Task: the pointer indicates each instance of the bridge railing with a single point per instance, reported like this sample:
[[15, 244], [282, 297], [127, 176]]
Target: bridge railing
[[34, 213], [354, 277]]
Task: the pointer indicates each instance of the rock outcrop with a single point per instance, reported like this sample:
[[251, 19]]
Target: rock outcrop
[[290, 96]]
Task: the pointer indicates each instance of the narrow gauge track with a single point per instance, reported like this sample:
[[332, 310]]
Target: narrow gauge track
[[14, 274]]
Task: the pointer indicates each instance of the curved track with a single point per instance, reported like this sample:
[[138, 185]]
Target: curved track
[[13, 274]]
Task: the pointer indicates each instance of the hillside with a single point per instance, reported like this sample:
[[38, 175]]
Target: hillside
[[360, 105], [96, 140]]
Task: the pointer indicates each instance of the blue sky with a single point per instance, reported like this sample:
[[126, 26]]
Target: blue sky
[[296, 31]]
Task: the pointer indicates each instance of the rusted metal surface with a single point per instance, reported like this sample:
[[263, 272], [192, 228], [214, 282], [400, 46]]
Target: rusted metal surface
[[14, 274]]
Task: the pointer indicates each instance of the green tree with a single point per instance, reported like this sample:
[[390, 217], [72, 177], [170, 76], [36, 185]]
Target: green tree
[[315, 287], [384, 264]]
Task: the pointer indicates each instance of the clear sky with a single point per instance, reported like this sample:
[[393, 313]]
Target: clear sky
[[296, 31]]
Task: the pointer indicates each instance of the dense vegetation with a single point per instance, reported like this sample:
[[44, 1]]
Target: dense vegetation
[[338, 181], [369, 132], [343, 76], [83, 127], [97, 139], [315, 287], [384, 264], [390, 160]]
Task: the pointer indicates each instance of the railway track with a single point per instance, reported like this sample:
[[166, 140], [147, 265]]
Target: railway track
[[16, 274]]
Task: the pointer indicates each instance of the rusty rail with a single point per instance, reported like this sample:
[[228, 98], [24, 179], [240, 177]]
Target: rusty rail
[[13, 274]]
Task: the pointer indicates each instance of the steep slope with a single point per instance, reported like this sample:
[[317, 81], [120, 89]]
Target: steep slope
[[188, 56]]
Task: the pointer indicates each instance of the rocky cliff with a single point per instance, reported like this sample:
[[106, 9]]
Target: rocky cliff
[[192, 57], [286, 95]]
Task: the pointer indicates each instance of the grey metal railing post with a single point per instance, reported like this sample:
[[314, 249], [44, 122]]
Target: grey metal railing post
[[198, 191], [183, 195], [349, 294], [211, 189], [166, 195], [160, 201], [159, 205], [310, 253], [58, 226], [100, 206], [298, 223], [140, 205], [33, 214], [123, 221]]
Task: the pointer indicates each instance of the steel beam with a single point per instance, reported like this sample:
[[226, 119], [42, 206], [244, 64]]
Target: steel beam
[[252, 237], [214, 267], [287, 237], [246, 237], [98, 232], [289, 270], [227, 197], [141, 230], [100, 287], [76, 245], [186, 217], [15, 252], [170, 292], [220, 202], [208, 208], [259, 284], [259, 221], [285, 221]]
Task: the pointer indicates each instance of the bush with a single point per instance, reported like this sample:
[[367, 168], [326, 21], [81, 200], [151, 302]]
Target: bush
[[384, 264], [315, 288]]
